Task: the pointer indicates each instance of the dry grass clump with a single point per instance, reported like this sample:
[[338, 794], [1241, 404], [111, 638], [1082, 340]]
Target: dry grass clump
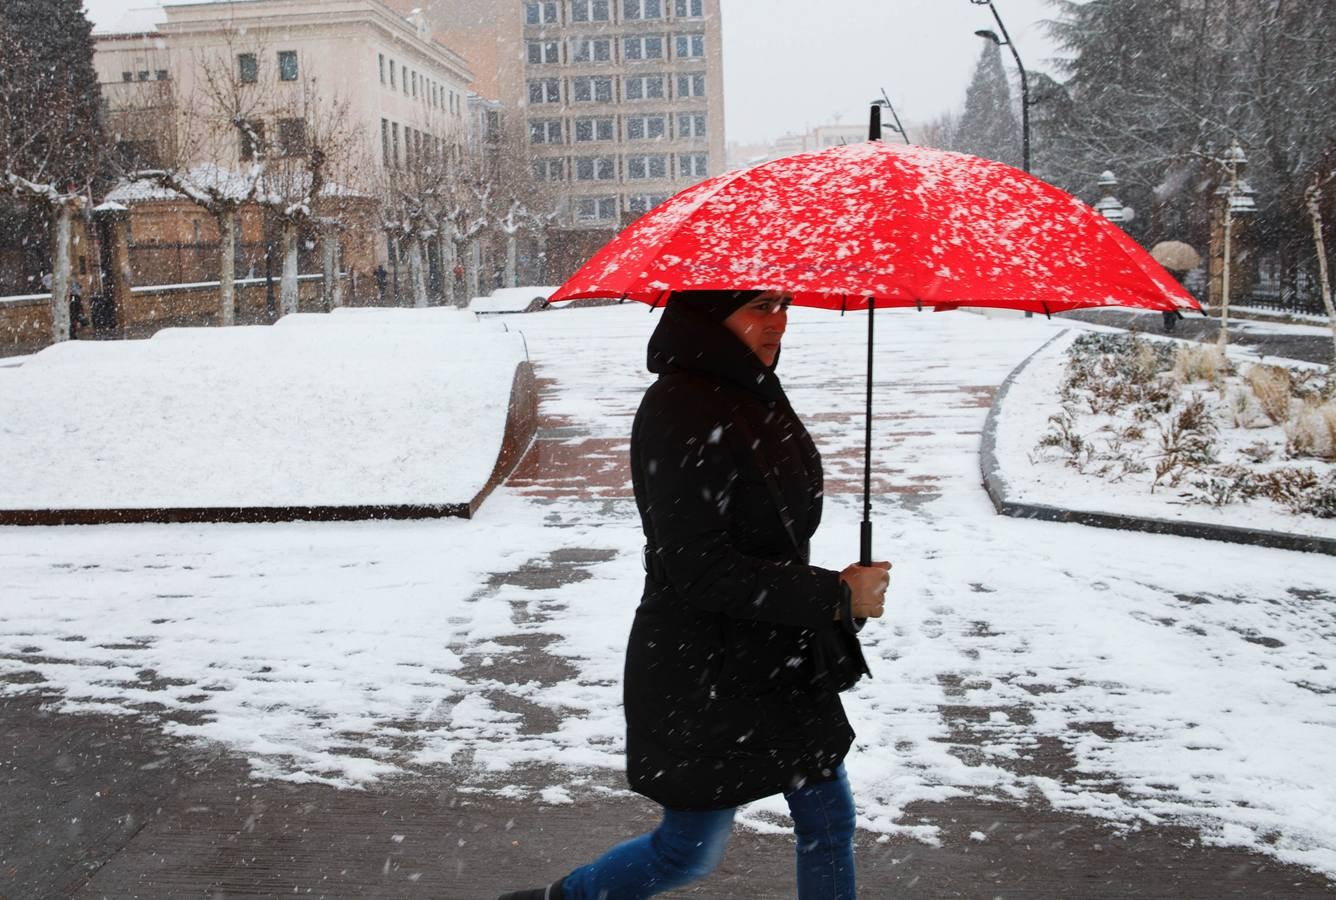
[[1274, 388], [1312, 431], [1201, 362]]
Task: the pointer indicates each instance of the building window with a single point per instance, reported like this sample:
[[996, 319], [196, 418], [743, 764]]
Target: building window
[[545, 131], [394, 138], [161, 75], [380, 60], [595, 168], [642, 46], [652, 165], [590, 89], [644, 87], [385, 141], [287, 65], [691, 125], [248, 68], [689, 46], [544, 52], [292, 137], [547, 90], [252, 140], [646, 128], [544, 13], [690, 9], [691, 85], [591, 10], [143, 74], [127, 76], [595, 209], [391, 73], [692, 165], [591, 49], [642, 9], [549, 169], [639, 204], [600, 129], [415, 81]]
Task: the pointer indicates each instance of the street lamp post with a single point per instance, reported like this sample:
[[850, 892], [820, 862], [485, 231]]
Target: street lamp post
[[1005, 41], [1237, 197]]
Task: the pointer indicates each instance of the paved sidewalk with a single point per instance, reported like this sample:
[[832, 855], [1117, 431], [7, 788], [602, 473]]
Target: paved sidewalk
[[108, 806]]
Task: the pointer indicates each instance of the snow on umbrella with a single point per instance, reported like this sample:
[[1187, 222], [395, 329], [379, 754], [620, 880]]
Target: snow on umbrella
[[879, 225]]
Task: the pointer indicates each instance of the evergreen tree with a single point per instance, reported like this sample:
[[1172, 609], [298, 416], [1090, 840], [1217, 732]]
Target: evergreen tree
[[49, 92], [50, 135], [989, 126]]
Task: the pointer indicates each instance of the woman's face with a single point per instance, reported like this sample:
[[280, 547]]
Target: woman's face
[[760, 324]]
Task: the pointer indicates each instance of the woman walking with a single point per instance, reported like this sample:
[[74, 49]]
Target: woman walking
[[739, 646]]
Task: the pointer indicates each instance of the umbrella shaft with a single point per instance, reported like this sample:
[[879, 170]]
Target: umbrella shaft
[[865, 532]]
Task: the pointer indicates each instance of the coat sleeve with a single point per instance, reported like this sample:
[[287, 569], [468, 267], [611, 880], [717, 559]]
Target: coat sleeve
[[688, 470]]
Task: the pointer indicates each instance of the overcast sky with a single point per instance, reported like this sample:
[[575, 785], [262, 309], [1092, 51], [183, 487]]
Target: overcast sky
[[792, 64]]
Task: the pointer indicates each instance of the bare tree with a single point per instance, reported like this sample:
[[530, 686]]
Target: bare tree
[[1313, 201]]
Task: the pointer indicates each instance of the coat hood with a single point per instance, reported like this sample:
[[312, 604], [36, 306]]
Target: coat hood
[[687, 341]]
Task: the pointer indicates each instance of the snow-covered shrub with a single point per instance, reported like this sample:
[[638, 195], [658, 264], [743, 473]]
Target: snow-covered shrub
[[1246, 410], [1274, 387], [1312, 431], [1201, 362], [1110, 373], [1187, 443]]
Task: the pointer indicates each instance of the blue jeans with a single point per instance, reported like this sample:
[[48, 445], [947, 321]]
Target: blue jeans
[[688, 845]]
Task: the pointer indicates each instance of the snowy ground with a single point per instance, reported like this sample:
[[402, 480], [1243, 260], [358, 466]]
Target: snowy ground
[[359, 407], [1186, 680]]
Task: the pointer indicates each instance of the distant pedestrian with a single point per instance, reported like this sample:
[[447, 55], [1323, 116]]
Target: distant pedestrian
[[1171, 317], [382, 281], [77, 317], [739, 646]]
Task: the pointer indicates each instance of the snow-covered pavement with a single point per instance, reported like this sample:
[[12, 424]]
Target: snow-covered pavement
[[1180, 680]]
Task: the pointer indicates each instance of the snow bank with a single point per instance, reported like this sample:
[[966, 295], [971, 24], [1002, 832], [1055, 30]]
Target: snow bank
[[364, 406], [505, 300]]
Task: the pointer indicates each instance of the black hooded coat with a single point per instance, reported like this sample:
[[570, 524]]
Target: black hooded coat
[[723, 695]]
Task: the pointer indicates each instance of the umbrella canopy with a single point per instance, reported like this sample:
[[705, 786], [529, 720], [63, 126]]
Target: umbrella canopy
[[1175, 256], [903, 225]]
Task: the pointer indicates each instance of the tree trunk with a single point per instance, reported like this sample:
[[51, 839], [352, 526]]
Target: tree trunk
[[60, 275], [336, 296], [542, 256], [227, 265], [448, 269], [328, 268], [288, 299], [416, 276], [512, 242], [470, 271], [1324, 281]]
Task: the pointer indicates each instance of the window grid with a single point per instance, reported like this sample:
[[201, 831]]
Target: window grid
[[546, 90], [644, 166], [591, 10], [587, 49], [646, 128], [591, 89], [642, 46], [594, 129], [545, 131], [689, 46], [645, 87], [595, 168]]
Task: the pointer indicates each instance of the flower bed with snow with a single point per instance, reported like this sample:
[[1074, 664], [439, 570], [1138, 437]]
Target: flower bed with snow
[[358, 407], [1168, 430]]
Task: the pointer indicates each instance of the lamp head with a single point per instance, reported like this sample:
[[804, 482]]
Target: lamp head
[[989, 34]]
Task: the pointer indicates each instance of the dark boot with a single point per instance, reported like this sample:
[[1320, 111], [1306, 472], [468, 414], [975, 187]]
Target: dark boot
[[551, 892]]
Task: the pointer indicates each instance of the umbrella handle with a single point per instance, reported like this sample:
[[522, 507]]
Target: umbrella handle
[[865, 543]]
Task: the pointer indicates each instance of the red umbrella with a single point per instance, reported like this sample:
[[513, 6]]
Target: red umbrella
[[879, 225]]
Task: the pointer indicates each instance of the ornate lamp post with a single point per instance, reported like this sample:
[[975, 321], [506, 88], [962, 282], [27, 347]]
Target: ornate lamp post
[[1005, 41], [1237, 200]]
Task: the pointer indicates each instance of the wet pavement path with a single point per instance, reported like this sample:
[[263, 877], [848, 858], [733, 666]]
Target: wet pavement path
[[108, 806]]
